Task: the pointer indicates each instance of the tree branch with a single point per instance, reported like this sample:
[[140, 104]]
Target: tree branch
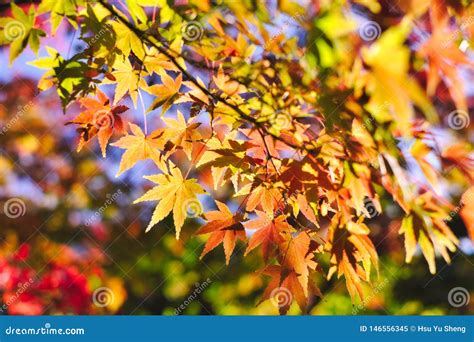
[[167, 52]]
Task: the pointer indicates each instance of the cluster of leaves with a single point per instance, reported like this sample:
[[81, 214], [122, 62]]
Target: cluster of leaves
[[305, 129], [61, 287]]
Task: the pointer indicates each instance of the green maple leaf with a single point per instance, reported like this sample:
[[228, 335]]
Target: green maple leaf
[[19, 31], [60, 9]]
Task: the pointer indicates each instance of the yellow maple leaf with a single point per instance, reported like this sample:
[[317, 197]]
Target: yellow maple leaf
[[420, 151], [157, 62], [128, 79], [226, 84], [166, 93], [181, 133], [174, 193], [140, 147], [127, 40], [393, 94]]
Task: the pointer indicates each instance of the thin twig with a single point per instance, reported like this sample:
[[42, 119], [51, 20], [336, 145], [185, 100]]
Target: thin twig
[[147, 38]]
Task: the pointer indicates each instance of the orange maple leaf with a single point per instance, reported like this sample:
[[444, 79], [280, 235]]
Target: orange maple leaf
[[269, 232], [225, 228], [285, 287], [99, 118]]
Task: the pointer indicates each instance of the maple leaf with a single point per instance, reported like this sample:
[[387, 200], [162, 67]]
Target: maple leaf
[[425, 226], [352, 255], [445, 57], [269, 232], [227, 159], [19, 31], [300, 178], [157, 62], [99, 118], [228, 86], [166, 94], [305, 133], [419, 150], [267, 198], [182, 134], [225, 228], [196, 93], [140, 147], [459, 155], [260, 145], [174, 193], [284, 287], [127, 40], [359, 185], [392, 92], [60, 9], [128, 79], [298, 256], [228, 152]]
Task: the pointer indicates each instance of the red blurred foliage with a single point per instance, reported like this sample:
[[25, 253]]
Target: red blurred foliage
[[58, 288]]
